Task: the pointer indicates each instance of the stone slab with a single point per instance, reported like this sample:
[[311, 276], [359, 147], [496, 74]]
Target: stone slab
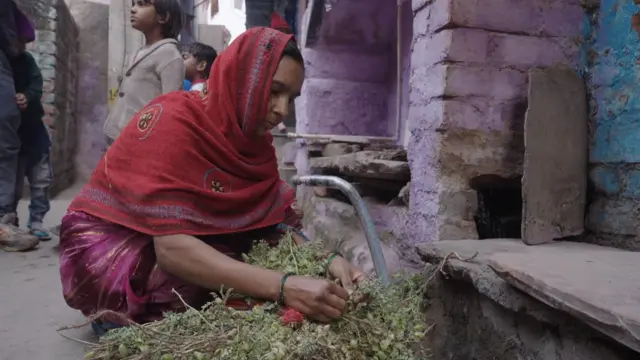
[[485, 249], [486, 281], [554, 183], [369, 164], [599, 286]]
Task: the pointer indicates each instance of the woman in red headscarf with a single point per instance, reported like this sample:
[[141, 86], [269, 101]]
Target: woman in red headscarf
[[187, 188]]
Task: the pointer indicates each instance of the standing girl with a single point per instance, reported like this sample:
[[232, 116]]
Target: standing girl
[[155, 69]]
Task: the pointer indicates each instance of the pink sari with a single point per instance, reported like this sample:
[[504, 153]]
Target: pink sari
[[104, 266]]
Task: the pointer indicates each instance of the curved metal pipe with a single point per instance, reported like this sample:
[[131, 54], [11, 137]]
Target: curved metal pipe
[[335, 182]]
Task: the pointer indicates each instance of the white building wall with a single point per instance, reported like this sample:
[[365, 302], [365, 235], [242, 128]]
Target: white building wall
[[231, 14]]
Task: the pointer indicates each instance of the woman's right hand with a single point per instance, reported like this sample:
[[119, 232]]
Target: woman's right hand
[[320, 300]]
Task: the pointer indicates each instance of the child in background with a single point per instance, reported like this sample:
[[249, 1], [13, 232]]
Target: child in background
[[34, 162], [155, 69], [198, 58]]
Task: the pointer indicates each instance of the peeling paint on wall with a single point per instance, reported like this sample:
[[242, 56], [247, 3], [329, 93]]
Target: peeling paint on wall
[[612, 57]]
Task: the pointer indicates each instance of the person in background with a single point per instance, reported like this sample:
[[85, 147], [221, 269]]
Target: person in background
[[198, 58], [186, 85], [11, 237], [155, 69], [34, 162], [259, 11], [9, 113]]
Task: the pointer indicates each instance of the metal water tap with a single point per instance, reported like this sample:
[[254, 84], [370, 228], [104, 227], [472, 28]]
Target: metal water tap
[[373, 240]]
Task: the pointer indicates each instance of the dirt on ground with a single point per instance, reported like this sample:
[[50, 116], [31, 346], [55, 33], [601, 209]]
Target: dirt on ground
[[32, 304]]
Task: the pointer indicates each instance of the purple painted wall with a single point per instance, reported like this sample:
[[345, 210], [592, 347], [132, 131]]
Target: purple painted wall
[[93, 22], [467, 71], [468, 97], [348, 71], [350, 89]]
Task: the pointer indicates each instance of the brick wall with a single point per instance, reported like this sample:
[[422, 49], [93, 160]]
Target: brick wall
[[470, 62], [56, 50]]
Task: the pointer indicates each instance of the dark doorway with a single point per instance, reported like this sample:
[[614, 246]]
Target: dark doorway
[[499, 213]]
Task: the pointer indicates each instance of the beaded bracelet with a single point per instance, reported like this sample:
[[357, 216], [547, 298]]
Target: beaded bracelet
[[331, 258], [282, 281]]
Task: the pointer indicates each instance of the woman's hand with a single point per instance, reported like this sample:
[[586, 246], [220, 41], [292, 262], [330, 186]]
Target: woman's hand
[[342, 270], [318, 299]]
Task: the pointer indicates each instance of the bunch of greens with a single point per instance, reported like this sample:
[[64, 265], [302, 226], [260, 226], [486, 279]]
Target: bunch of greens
[[387, 325]]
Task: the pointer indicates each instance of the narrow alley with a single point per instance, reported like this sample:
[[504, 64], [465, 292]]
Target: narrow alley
[[33, 307], [487, 150]]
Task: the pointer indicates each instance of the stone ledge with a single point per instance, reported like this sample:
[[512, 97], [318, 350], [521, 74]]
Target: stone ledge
[[368, 164], [481, 276], [573, 278]]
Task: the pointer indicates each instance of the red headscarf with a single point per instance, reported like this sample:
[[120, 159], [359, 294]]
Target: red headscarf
[[188, 164]]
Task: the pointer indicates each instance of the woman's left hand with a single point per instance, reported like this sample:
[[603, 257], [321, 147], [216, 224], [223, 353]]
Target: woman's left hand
[[348, 274]]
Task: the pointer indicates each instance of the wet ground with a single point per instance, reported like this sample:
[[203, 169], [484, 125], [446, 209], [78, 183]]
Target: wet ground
[[32, 307]]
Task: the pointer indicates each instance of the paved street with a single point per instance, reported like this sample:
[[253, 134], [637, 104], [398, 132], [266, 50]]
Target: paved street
[[32, 305]]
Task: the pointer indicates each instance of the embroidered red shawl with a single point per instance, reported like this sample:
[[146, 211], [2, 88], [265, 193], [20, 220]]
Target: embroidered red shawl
[[185, 164]]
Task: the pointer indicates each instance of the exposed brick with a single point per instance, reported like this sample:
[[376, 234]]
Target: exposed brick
[[426, 117], [48, 74], [45, 35], [426, 83], [529, 51], [466, 154], [487, 81], [475, 114], [468, 83], [611, 215], [468, 45], [46, 48], [534, 17], [50, 110], [46, 61], [48, 98], [460, 80], [430, 18], [431, 50], [487, 47], [48, 86]]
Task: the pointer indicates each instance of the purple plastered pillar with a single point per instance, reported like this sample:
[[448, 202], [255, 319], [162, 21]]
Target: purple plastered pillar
[[348, 73], [468, 97], [464, 84], [347, 81]]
